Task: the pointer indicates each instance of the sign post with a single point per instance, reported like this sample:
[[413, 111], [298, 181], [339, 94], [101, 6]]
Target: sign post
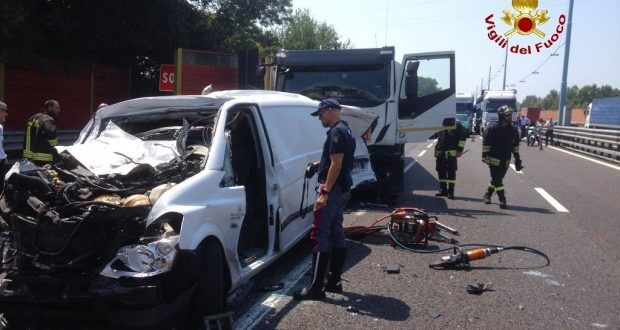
[[166, 78]]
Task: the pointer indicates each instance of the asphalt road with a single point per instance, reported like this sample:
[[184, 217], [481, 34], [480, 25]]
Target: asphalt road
[[579, 289]]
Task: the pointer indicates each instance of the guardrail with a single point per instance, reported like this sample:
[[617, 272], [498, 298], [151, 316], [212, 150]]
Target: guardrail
[[599, 143], [14, 141]]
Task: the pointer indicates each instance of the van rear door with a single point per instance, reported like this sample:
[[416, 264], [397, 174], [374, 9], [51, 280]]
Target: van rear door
[[427, 97]]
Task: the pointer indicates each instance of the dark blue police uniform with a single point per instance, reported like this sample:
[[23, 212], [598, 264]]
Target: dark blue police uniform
[[329, 231]]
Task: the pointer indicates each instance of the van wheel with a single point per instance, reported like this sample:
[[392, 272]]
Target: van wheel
[[208, 298]]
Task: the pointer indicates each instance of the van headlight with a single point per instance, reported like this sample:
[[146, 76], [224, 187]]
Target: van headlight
[[143, 260]]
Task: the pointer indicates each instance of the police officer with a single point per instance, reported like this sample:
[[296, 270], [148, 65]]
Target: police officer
[[450, 145], [500, 140], [333, 194], [41, 137]]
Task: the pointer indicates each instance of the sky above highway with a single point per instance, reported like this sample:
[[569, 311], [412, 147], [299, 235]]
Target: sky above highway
[[415, 26]]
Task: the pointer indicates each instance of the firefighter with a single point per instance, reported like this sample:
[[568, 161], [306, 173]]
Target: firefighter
[[41, 137], [450, 145], [501, 140]]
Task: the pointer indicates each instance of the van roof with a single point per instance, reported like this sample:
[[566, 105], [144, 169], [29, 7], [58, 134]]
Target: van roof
[[213, 100]]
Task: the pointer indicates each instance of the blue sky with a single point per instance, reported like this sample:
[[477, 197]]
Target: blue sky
[[415, 26]]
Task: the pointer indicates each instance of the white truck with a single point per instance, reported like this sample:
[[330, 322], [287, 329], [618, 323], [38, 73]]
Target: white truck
[[412, 99], [492, 101], [465, 110]]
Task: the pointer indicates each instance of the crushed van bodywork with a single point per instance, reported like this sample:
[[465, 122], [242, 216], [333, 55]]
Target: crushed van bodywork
[[76, 231]]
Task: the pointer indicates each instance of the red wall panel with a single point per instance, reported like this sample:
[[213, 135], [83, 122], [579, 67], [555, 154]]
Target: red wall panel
[[197, 77]]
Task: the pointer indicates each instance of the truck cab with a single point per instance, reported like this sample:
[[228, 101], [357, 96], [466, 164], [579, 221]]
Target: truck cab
[[491, 102], [412, 99], [465, 110]]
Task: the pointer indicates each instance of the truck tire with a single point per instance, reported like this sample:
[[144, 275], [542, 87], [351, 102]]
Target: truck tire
[[208, 298]]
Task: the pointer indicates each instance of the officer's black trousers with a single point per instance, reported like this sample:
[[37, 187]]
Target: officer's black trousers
[[446, 167]]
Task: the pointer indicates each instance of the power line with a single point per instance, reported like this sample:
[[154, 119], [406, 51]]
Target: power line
[[537, 70]]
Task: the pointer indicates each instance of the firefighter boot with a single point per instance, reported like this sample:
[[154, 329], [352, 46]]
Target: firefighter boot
[[451, 190], [334, 282], [502, 199], [442, 190], [488, 194], [316, 289]]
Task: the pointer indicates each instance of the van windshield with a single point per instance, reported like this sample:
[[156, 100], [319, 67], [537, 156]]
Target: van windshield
[[493, 105], [359, 85], [167, 126]]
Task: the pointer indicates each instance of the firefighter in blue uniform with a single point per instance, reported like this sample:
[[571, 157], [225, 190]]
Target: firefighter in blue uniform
[[449, 147], [501, 140], [335, 181]]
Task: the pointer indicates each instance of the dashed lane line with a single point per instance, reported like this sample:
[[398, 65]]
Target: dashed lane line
[[409, 166], [551, 200], [269, 302], [586, 158], [515, 169], [430, 145], [422, 153]]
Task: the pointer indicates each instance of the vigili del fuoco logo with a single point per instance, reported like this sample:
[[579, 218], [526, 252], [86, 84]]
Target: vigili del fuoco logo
[[526, 20]]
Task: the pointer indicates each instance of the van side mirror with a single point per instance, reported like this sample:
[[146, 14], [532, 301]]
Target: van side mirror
[[449, 122], [412, 67]]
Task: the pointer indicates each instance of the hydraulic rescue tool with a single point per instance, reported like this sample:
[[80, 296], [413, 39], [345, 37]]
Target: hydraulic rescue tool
[[411, 229], [415, 227]]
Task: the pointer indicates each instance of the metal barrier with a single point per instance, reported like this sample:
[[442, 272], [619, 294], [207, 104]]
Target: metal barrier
[[599, 143], [14, 141]]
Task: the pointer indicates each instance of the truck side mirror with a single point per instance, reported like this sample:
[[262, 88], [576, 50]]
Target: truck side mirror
[[411, 80], [260, 72]]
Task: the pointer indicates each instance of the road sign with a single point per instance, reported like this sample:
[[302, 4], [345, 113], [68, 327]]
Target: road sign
[[166, 77]]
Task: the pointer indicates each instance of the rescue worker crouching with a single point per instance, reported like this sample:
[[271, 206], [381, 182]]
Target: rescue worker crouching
[[335, 181], [501, 140], [450, 145], [41, 137]]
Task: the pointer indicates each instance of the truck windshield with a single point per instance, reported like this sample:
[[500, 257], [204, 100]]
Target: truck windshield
[[362, 85], [464, 108], [493, 105]]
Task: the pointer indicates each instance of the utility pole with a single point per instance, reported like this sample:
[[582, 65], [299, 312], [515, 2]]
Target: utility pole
[[569, 27], [489, 81], [505, 65]]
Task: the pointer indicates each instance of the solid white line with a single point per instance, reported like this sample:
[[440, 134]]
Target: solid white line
[[586, 158], [422, 153], [430, 145], [551, 200], [269, 302], [515, 169], [409, 166]]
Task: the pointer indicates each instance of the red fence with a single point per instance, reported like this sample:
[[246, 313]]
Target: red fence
[[79, 89]]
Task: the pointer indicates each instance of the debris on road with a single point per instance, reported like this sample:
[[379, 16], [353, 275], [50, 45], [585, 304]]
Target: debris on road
[[479, 288], [433, 313]]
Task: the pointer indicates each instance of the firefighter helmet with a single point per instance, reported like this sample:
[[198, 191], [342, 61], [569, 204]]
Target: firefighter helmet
[[504, 111]]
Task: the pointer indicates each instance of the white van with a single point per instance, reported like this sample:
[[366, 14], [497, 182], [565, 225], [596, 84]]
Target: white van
[[163, 207]]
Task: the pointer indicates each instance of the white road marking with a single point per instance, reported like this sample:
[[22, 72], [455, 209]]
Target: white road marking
[[430, 145], [269, 302], [586, 158], [515, 169], [359, 213], [409, 166], [422, 153], [551, 200]]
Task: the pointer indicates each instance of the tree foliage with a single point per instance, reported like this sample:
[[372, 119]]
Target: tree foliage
[[576, 97], [301, 31], [131, 32], [427, 86]]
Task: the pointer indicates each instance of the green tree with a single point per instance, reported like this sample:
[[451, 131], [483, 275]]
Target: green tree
[[427, 86], [301, 31], [530, 101]]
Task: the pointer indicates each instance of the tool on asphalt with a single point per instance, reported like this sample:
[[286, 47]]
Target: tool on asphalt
[[411, 226], [461, 258]]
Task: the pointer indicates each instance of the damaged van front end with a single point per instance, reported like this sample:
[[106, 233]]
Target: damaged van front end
[[76, 237]]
